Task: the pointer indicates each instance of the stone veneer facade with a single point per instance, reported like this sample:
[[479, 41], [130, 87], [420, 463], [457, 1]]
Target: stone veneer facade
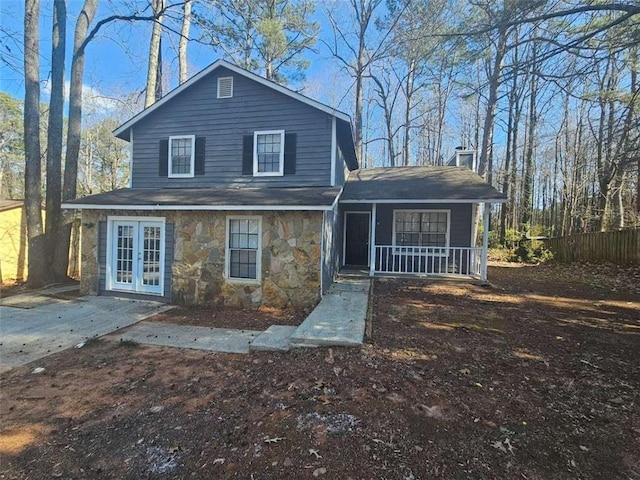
[[291, 246]]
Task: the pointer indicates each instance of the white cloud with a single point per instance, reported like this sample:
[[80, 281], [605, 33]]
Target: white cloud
[[93, 100]]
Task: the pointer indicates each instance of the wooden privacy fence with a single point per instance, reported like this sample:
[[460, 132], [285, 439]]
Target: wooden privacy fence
[[622, 247]]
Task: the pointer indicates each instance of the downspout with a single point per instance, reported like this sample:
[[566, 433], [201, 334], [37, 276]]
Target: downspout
[[130, 183], [372, 242], [485, 242], [322, 244]]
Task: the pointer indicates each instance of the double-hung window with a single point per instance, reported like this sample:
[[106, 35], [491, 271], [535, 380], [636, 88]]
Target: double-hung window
[[182, 156], [268, 153], [422, 228], [244, 238]]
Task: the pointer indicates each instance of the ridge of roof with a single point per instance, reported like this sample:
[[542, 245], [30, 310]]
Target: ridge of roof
[[240, 71]]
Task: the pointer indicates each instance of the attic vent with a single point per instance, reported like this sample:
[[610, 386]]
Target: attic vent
[[225, 87]]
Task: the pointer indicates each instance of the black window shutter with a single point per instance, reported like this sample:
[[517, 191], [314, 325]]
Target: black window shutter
[[199, 157], [290, 153], [247, 155], [163, 155]]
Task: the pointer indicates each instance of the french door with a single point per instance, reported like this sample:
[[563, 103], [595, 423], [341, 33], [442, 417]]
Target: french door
[[136, 260]]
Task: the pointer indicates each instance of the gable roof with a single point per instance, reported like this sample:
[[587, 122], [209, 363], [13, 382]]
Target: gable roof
[[418, 185], [121, 131]]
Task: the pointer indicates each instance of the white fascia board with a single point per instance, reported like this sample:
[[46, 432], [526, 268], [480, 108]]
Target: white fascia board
[[334, 146], [239, 71], [441, 200], [93, 206]]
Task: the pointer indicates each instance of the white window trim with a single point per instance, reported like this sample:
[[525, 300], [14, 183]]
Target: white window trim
[[218, 91], [397, 248], [227, 253], [280, 171], [193, 157], [111, 220]]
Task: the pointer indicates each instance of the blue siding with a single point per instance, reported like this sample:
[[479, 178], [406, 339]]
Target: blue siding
[[224, 122], [459, 229]]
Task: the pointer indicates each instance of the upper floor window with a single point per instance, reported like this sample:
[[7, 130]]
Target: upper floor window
[[268, 153], [225, 87], [181, 156]]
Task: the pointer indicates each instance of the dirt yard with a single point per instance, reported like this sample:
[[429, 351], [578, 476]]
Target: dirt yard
[[534, 377]]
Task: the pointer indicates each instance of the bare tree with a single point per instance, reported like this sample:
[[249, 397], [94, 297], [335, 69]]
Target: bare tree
[[74, 129], [37, 268], [154, 65], [54, 131], [184, 39], [351, 46]]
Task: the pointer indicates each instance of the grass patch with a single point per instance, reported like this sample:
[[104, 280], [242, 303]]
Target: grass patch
[[92, 342], [128, 344]]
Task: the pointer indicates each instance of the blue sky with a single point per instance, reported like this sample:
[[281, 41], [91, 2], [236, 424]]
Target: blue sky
[[116, 59]]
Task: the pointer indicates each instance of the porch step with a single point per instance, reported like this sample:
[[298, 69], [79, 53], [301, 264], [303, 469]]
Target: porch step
[[276, 338], [340, 317]]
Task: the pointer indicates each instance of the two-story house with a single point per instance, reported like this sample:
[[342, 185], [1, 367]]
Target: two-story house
[[245, 192]]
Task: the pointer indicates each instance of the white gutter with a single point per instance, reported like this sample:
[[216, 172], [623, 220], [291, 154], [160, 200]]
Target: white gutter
[[439, 200], [94, 206]]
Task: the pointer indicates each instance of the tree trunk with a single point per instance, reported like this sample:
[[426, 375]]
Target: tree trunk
[[74, 130], [184, 39], [54, 131], [38, 271], [490, 114], [154, 54], [407, 113], [527, 187]]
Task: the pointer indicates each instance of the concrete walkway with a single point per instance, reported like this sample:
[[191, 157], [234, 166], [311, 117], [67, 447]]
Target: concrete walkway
[[340, 317], [37, 325], [224, 340], [41, 323]]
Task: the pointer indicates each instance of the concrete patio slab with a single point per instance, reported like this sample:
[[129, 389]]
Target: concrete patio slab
[[276, 338], [340, 317], [41, 297], [200, 338], [27, 335]]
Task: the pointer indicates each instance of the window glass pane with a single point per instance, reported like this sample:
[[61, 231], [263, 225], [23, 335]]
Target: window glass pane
[[268, 148], [181, 149], [243, 247], [421, 228]]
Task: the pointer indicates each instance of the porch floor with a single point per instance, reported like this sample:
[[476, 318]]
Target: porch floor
[[351, 272]]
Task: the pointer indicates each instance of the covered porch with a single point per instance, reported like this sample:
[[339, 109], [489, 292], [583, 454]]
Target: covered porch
[[416, 221]]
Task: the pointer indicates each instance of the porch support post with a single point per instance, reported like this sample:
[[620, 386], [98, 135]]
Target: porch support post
[[485, 241], [372, 242]]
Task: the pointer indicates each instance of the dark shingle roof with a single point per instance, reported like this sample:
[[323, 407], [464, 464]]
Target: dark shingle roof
[[418, 183], [209, 198]]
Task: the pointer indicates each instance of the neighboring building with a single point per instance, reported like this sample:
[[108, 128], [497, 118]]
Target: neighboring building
[[13, 241], [245, 192]]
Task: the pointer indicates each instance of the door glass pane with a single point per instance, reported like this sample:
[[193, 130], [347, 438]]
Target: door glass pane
[[124, 254], [151, 256]]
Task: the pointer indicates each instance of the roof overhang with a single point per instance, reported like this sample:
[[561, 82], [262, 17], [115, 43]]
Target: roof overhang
[[121, 131], [430, 200], [211, 199], [96, 206]]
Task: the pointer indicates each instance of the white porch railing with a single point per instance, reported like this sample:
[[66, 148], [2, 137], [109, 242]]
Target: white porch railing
[[451, 261]]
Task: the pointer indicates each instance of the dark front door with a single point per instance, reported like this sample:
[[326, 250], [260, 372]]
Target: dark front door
[[357, 239]]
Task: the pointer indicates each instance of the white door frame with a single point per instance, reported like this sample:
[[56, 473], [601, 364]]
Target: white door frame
[[344, 235], [136, 285]]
